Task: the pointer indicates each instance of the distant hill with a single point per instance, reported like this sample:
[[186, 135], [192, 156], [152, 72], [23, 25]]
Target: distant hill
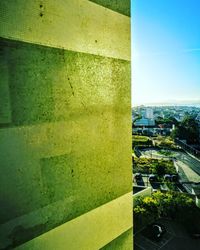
[[195, 103]]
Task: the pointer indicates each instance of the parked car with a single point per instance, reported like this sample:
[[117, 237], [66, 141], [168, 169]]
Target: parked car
[[152, 178], [174, 178], [138, 176], [167, 177]]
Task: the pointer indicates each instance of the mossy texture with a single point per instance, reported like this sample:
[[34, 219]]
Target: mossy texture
[[64, 149], [121, 6]]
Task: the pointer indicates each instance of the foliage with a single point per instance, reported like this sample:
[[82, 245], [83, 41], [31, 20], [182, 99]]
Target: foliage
[[166, 153], [167, 122], [175, 205], [165, 142], [140, 138], [153, 166], [187, 130], [141, 141], [137, 117]]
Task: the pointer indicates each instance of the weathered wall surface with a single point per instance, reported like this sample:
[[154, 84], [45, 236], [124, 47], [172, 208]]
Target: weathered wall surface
[[65, 124]]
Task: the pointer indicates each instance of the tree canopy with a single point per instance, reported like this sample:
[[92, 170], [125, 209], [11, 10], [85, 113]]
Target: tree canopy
[[187, 130], [178, 206], [167, 122]]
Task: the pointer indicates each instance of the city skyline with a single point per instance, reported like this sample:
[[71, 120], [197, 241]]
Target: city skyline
[[165, 52]]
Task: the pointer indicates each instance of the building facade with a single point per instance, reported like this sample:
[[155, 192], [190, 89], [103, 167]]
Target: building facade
[[65, 104]]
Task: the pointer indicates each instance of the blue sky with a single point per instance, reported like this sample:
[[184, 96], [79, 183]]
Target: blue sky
[[165, 51]]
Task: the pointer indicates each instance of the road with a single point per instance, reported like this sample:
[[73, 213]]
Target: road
[[187, 166], [182, 157]]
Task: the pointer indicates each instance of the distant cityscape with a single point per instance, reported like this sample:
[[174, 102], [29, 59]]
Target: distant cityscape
[[161, 120]]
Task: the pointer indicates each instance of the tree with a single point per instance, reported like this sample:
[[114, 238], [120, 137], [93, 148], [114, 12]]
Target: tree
[[167, 122], [178, 206], [187, 130]]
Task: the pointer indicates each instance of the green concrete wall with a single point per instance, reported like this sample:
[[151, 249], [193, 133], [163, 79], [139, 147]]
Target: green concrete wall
[[65, 133], [123, 242], [121, 6]]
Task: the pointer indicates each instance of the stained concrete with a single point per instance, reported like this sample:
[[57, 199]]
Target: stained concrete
[[65, 114], [67, 139]]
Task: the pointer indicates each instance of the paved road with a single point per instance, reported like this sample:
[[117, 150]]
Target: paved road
[[186, 173], [153, 153], [182, 157], [187, 166], [188, 160]]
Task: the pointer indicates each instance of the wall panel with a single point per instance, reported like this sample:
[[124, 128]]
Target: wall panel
[[65, 121]]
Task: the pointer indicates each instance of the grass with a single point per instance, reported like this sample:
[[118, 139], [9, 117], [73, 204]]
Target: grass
[[166, 153], [139, 140]]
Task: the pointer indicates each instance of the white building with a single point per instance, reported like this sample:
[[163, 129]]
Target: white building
[[149, 113]]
